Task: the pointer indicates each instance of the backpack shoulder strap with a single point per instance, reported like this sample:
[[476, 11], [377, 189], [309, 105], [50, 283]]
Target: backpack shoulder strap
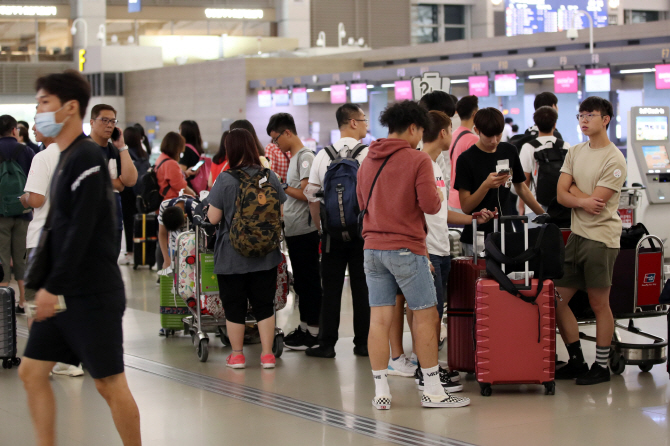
[[331, 152], [559, 144], [535, 143], [161, 163], [458, 138], [358, 149]]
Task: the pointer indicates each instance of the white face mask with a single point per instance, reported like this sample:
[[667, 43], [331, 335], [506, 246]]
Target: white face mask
[[46, 124]]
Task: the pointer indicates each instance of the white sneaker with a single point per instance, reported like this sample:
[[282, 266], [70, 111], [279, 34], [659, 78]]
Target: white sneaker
[[67, 370], [127, 259], [382, 402], [401, 367], [414, 360], [445, 400]]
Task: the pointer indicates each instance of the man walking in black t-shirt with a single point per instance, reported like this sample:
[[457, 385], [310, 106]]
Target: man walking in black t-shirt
[[486, 171], [84, 272]]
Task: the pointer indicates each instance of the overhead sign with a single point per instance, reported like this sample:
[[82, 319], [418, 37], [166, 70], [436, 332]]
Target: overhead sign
[[478, 86], [281, 97], [566, 81], [134, 5], [265, 98], [359, 93], [403, 91], [248, 14], [428, 83], [663, 77], [505, 84], [597, 79], [82, 60], [338, 94], [29, 10], [544, 16], [299, 96]]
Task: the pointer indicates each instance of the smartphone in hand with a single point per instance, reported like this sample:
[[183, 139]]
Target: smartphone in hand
[[197, 166], [116, 134]]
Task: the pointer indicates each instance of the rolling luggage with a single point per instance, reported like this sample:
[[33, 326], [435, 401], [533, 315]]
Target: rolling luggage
[[461, 307], [515, 327], [8, 329], [145, 238], [172, 308]]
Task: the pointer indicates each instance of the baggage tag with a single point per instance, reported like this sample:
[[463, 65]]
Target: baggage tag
[[31, 308]]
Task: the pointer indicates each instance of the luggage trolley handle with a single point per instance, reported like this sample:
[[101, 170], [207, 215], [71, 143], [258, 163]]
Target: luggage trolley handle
[[476, 215], [524, 219]]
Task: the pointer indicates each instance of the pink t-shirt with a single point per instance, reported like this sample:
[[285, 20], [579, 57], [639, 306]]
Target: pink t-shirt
[[464, 143]]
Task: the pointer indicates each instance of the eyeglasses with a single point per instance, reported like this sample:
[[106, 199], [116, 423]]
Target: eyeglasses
[[367, 121], [586, 117], [107, 121], [274, 141]]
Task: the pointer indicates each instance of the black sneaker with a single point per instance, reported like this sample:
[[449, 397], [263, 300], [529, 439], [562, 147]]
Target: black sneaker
[[598, 374], [20, 310], [447, 383], [321, 351], [300, 340], [361, 350], [572, 370]]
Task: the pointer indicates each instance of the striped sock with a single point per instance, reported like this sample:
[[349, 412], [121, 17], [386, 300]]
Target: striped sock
[[602, 355]]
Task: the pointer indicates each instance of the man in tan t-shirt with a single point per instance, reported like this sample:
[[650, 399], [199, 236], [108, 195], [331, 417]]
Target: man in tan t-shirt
[[590, 184]]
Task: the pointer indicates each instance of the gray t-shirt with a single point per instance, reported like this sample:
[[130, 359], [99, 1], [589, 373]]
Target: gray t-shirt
[[297, 220], [226, 259]]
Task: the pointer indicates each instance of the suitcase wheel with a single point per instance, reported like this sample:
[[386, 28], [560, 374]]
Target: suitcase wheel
[[6, 363], [646, 367], [203, 350], [17, 362], [550, 388], [618, 364], [486, 389], [278, 345]]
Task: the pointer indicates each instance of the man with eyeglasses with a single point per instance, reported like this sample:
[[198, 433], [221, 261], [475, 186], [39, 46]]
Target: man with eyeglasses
[[121, 167], [590, 184], [336, 252], [302, 238]]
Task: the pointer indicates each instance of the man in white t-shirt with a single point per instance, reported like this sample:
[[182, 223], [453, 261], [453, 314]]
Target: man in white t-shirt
[[37, 197], [545, 120], [336, 253]]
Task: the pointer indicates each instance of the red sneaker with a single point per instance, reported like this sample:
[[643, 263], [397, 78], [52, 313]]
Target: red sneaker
[[268, 361], [236, 361]]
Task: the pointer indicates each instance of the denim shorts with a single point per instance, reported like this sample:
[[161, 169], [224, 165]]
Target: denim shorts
[[385, 271]]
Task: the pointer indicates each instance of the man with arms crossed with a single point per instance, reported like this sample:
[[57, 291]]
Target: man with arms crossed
[[590, 184], [85, 271]]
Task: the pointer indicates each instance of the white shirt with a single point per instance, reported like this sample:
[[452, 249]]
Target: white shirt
[[39, 179], [437, 239], [530, 164], [322, 160], [507, 133]]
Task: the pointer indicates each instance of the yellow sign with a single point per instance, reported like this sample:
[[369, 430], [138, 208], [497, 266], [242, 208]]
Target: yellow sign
[[82, 59]]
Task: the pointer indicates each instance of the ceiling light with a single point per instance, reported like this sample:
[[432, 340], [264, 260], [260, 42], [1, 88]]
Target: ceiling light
[[541, 76], [371, 86], [310, 90], [325, 89], [459, 81], [638, 70], [388, 85]]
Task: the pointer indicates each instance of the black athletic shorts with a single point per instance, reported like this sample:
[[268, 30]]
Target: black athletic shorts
[[89, 331]]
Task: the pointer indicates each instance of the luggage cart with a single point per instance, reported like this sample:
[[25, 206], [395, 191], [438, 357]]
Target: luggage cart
[[198, 325]]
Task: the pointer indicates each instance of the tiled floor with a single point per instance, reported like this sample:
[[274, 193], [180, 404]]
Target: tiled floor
[[632, 409]]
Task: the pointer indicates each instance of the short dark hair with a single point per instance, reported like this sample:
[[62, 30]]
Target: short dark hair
[[173, 218], [399, 116], [490, 121], [280, 122], [172, 145], [598, 104], [67, 86], [246, 125], [466, 106], [440, 101], [438, 121], [7, 125], [95, 111], [509, 120], [241, 149], [546, 99], [515, 128], [191, 133], [346, 112], [545, 118]]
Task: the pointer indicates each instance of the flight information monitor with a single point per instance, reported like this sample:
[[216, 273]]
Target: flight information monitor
[[546, 16], [657, 158], [651, 128]]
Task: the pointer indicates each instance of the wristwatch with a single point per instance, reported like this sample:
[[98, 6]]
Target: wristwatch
[[284, 186], [123, 149]]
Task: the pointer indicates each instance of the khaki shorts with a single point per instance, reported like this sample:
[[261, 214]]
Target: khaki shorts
[[588, 264], [13, 233]]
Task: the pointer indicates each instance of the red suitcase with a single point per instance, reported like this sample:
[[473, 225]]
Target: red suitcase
[[461, 308], [515, 340]]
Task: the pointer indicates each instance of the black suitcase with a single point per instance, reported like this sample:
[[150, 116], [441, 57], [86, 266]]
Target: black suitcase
[[8, 329], [145, 238]]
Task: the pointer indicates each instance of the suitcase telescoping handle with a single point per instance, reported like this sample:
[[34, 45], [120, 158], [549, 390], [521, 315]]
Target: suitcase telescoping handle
[[524, 219], [475, 251]]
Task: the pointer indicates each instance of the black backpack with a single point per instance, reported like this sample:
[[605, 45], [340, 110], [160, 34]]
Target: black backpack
[[151, 196], [550, 161], [520, 139]]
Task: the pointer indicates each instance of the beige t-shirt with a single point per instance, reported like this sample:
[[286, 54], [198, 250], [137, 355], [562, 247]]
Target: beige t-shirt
[[591, 168]]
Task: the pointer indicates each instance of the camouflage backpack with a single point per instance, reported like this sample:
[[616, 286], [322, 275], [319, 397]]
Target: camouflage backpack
[[256, 226]]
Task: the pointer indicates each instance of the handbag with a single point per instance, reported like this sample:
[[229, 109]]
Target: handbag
[[38, 265], [361, 215]]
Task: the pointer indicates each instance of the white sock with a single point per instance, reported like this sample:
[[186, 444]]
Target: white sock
[[314, 331], [431, 381], [381, 382], [303, 326]]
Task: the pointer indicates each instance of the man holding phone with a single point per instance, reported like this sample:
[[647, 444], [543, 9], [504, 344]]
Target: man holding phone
[[486, 172], [121, 167]]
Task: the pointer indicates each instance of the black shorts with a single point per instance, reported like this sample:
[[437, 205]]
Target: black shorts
[[89, 331]]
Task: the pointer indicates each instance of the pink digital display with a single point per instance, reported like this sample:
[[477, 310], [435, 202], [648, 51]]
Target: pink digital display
[[403, 91], [338, 94], [663, 77], [479, 86], [566, 81]]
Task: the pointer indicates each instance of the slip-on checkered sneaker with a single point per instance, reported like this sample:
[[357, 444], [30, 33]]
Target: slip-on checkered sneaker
[[382, 402], [447, 400]]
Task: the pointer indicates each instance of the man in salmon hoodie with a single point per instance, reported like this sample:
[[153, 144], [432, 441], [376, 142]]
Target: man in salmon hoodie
[[395, 188]]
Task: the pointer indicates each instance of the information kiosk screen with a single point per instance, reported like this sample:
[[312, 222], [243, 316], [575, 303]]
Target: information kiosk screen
[[651, 128], [657, 158]]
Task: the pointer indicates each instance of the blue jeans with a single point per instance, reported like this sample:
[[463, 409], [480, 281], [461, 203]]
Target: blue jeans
[[385, 271], [442, 265]]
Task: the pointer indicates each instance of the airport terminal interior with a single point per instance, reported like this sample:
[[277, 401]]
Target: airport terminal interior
[[159, 63]]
